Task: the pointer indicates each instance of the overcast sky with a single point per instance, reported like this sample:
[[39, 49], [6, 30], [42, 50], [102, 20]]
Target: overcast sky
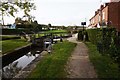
[[64, 12]]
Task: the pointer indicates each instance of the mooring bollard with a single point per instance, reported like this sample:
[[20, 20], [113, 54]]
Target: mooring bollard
[[61, 40], [49, 48]]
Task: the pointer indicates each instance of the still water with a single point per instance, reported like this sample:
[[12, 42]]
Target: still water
[[13, 68]]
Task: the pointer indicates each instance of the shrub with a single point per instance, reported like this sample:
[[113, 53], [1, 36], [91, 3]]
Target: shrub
[[81, 35], [10, 37], [107, 41]]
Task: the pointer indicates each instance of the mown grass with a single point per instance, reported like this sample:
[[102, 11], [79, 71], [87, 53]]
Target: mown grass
[[104, 65], [55, 31], [52, 66], [10, 45]]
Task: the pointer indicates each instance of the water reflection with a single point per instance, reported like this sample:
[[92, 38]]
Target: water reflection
[[13, 68]]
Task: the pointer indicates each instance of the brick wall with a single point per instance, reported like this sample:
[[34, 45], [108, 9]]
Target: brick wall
[[119, 16], [114, 15], [111, 15], [114, 0], [105, 11]]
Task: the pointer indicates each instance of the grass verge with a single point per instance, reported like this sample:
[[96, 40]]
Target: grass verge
[[104, 65], [10, 45], [52, 66]]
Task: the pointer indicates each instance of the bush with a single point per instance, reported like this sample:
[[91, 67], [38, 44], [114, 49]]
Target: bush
[[81, 35], [10, 37], [94, 35], [75, 31], [107, 41]]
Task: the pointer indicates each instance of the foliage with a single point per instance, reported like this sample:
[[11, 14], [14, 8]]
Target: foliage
[[52, 66], [81, 35], [103, 64], [33, 26], [36, 27], [49, 26], [14, 31], [93, 35], [107, 42], [9, 8]]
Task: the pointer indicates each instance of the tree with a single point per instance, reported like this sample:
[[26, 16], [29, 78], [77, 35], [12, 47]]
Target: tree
[[18, 20], [49, 26], [9, 8]]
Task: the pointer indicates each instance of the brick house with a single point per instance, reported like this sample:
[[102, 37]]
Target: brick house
[[114, 0], [107, 16]]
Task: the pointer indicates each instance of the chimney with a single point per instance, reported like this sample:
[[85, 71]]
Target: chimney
[[101, 7], [106, 4], [95, 12]]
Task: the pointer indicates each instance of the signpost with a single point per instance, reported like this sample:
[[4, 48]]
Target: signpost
[[83, 23], [84, 36]]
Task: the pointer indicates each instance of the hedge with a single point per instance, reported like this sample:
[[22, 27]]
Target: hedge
[[107, 41], [14, 31], [9, 37], [94, 35], [19, 28], [81, 35]]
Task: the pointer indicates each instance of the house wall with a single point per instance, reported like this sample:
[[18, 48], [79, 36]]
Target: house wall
[[104, 16], [114, 0], [92, 21], [118, 17], [110, 14], [114, 15], [96, 19]]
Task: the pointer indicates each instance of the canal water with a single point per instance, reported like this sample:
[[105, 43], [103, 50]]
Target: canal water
[[17, 65]]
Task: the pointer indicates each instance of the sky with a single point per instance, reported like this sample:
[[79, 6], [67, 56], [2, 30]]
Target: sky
[[63, 12]]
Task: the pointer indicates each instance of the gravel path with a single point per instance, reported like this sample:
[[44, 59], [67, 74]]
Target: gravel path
[[79, 65]]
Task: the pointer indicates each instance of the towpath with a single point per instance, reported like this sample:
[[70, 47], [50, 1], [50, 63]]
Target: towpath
[[79, 65]]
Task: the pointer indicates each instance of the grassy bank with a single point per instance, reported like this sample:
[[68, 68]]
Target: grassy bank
[[52, 66], [10, 45], [104, 65]]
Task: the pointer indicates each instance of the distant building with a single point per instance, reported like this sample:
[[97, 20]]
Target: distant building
[[107, 16]]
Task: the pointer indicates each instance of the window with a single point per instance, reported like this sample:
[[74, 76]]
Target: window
[[99, 18], [103, 15]]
